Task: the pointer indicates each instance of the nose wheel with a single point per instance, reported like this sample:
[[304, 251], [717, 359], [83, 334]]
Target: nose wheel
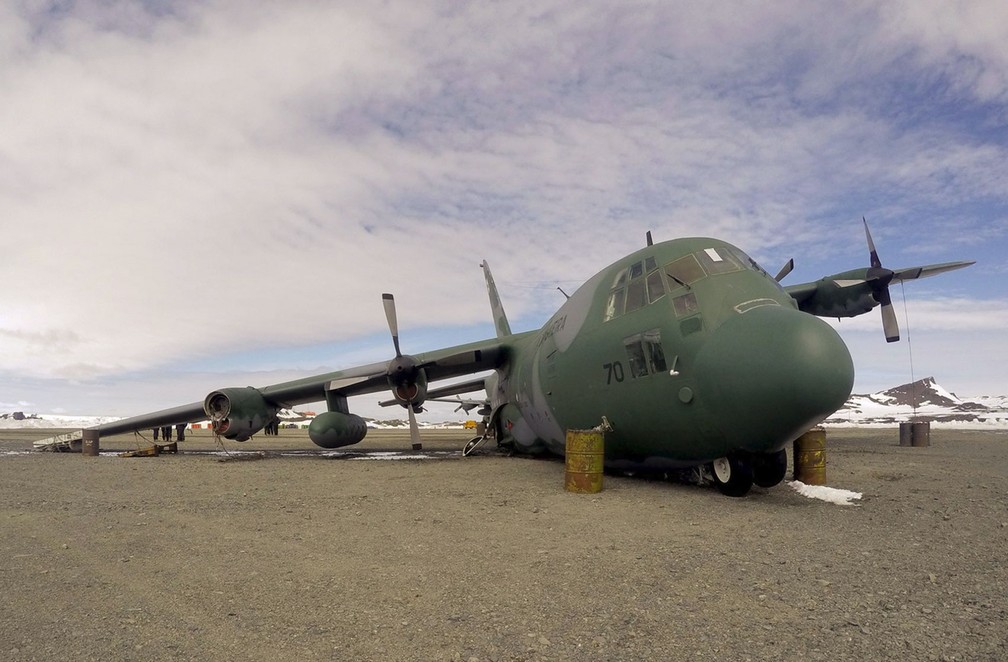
[[769, 469], [733, 475]]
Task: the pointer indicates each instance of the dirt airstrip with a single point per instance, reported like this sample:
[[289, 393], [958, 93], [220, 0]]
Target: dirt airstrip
[[303, 557]]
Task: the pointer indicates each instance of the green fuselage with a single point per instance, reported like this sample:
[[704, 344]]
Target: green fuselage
[[687, 348]]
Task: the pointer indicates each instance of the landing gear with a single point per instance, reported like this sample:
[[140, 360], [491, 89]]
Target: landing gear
[[472, 444], [733, 475], [769, 469]]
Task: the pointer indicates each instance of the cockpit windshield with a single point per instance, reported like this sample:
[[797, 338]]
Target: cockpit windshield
[[709, 262], [641, 284]]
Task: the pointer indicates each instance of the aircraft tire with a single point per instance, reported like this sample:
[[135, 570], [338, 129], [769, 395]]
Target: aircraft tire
[[769, 469], [471, 445], [733, 475]]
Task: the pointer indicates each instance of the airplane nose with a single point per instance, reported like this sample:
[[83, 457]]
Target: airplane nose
[[770, 374]]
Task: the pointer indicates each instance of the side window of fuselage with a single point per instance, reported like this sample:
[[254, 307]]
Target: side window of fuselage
[[645, 355]]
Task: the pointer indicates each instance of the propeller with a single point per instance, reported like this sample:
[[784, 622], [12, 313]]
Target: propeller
[[785, 270], [403, 372], [388, 301], [878, 277]]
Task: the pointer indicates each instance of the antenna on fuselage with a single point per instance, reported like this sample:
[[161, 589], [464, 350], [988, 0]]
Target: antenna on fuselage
[[650, 242], [562, 292]]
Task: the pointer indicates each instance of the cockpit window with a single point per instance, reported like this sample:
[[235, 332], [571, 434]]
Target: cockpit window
[[635, 296], [718, 260], [614, 305], [655, 286], [748, 262], [685, 271], [685, 305], [633, 288]]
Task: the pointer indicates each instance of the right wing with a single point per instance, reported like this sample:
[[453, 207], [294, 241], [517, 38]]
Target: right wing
[[857, 291]]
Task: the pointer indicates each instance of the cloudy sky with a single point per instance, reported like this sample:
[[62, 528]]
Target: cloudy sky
[[205, 194]]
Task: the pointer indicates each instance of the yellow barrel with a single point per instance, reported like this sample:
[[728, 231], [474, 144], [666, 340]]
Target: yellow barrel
[[584, 459], [810, 457], [89, 443]]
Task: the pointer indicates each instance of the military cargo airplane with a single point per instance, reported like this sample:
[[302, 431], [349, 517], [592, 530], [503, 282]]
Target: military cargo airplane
[[686, 351]]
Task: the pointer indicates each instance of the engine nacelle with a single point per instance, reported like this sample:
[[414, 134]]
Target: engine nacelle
[[831, 299], [408, 383], [334, 429], [238, 413]]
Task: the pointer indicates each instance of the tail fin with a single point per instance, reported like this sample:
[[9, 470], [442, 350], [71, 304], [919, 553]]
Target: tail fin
[[500, 319]]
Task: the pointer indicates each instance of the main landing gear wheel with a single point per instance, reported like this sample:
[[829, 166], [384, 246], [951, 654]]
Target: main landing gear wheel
[[769, 469], [733, 475]]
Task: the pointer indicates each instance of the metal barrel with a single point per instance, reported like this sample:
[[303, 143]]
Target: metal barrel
[[906, 434], [584, 458], [89, 443], [920, 434], [810, 457]]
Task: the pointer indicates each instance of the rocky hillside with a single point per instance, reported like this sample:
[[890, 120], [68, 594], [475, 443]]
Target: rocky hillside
[[928, 401]]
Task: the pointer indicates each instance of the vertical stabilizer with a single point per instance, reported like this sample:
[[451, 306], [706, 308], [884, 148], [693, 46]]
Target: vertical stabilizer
[[500, 319]]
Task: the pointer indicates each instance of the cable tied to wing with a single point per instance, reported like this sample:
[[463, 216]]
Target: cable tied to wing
[[906, 316], [219, 443]]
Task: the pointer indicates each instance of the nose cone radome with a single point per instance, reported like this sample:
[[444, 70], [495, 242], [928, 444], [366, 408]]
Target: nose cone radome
[[770, 374]]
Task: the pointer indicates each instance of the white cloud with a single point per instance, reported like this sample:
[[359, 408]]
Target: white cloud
[[967, 40]]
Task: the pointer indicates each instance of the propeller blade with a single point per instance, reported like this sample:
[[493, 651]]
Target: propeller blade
[[930, 270], [785, 270], [390, 314], [872, 253], [908, 274], [889, 323], [414, 430]]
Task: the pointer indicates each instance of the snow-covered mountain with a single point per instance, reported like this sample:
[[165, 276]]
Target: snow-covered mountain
[[926, 400]]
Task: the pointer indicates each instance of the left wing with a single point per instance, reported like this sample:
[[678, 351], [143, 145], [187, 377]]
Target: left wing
[[238, 413]]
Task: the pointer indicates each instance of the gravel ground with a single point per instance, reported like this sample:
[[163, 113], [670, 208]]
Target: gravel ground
[[487, 558]]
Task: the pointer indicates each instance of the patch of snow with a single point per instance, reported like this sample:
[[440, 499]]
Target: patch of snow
[[830, 494]]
